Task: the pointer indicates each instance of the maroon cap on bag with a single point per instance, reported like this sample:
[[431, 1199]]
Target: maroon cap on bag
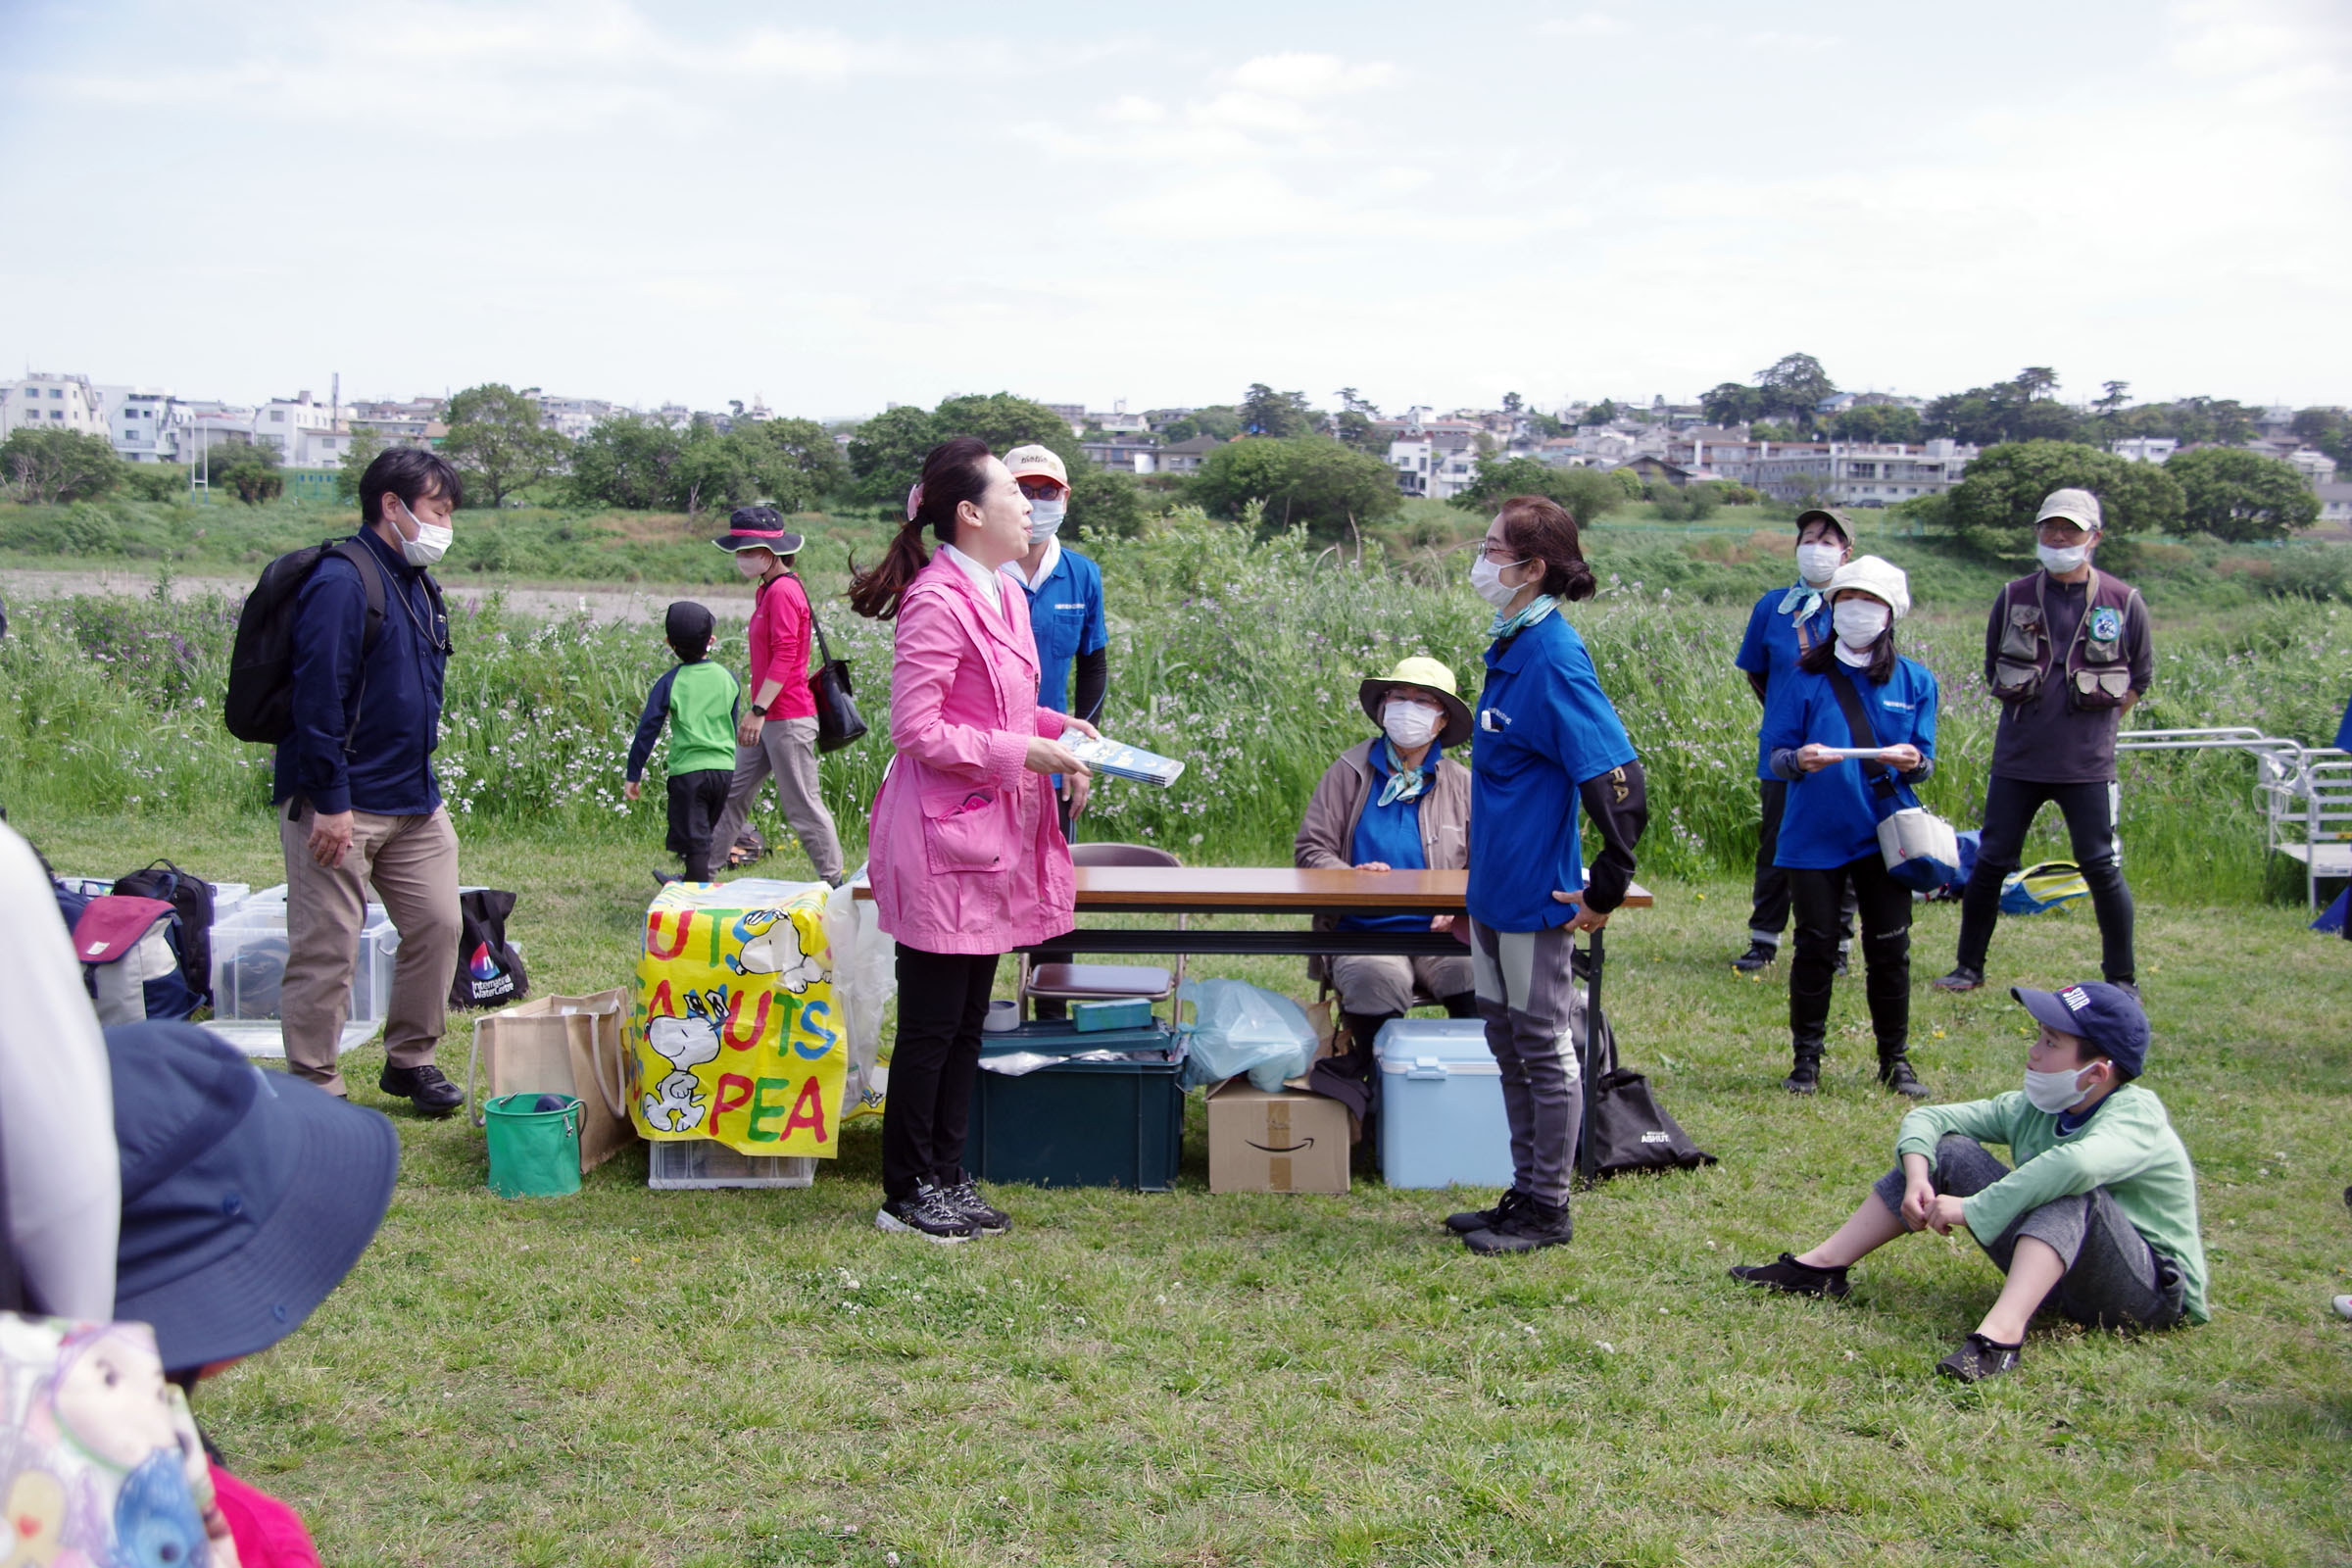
[[114, 924]]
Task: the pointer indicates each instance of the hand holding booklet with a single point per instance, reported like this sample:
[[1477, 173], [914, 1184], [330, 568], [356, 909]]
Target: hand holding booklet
[[1106, 755]]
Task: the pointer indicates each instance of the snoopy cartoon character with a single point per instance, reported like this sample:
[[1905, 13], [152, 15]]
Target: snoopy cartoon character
[[685, 1044], [770, 944]]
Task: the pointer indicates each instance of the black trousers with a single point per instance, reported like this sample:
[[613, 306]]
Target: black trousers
[[696, 800], [1884, 906], [942, 1000], [1769, 915], [2010, 806]]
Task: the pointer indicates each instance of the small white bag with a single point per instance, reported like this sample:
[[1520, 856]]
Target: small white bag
[[1921, 849]]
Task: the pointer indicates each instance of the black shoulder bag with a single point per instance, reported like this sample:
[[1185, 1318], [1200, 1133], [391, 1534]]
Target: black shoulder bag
[[837, 720], [1624, 1128]]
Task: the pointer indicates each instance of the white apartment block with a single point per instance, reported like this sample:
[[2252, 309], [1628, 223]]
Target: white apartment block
[[139, 423], [574, 417], [2145, 448], [1431, 466], [1846, 474], [50, 402], [283, 422]]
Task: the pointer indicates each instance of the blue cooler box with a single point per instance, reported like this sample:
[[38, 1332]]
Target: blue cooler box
[[1441, 1105]]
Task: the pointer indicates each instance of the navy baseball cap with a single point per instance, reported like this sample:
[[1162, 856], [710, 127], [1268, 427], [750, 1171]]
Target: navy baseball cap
[[2106, 1015], [247, 1196], [760, 527]]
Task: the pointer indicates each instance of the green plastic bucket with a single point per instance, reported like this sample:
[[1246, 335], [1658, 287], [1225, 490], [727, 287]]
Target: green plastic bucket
[[533, 1154]]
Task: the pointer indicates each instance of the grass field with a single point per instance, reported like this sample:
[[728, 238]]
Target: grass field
[[638, 1378]]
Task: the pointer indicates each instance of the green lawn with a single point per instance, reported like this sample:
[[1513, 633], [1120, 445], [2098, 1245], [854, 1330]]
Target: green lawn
[[630, 1376]]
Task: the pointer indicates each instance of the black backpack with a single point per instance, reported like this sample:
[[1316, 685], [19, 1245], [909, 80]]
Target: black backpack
[[260, 705], [191, 899]]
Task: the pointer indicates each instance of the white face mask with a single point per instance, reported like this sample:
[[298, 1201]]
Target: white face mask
[[2057, 558], [2053, 1092], [1045, 518], [1409, 723], [1485, 579], [752, 563], [1815, 564], [1859, 622], [431, 543]]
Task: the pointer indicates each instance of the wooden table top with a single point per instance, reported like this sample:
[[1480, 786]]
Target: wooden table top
[[1274, 890]]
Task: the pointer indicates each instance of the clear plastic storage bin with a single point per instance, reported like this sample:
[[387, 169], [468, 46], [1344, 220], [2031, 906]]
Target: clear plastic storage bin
[[686, 1162], [249, 963]]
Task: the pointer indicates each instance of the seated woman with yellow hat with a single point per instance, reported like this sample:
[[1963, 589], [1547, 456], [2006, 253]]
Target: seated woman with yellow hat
[[1394, 803]]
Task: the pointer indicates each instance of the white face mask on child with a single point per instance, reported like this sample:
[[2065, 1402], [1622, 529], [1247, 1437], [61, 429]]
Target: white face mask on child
[[1859, 622], [2053, 1092]]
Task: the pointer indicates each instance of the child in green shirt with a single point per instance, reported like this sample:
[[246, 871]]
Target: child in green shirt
[[698, 700], [2099, 1218]]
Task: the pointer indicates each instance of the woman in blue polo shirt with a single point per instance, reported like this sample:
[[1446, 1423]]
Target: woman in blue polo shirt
[[1830, 830], [1546, 741]]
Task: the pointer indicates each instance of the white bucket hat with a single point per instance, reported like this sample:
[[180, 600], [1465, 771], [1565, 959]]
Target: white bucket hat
[[2078, 507], [1877, 577]]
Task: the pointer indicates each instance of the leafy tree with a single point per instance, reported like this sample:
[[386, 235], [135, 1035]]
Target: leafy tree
[[2240, 496], [887, 453], [1766, 430], [48, 466], [1279, 414], [1603, 412], [1876, 421], [796, 461], [1220, 422], [498, 443], [1991, 509], [2006, 411], [155, 481], [1354, 429], [366, 445], [1300, 480], [249, 470], [1106, 501], [1513, 403], [1354, 402], [714, 469], [2113, 395], [2036, 381], [1588, 494], [1794, 384], [1730, 403], [627, 461], [2221, 421]]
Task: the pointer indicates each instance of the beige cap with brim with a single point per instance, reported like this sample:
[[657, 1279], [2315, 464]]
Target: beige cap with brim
[[2078, 507], [1431, 676]]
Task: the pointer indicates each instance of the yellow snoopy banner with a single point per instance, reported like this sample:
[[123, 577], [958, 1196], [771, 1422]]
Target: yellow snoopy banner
[[735, 1034]]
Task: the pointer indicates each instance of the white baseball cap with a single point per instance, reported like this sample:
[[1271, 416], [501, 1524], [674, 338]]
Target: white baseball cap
[[1877, 577], [2078, 507], [1034, 461]]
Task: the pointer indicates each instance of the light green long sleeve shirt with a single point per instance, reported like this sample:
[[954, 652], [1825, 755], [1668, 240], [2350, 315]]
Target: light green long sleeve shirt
[[2128, 1148]]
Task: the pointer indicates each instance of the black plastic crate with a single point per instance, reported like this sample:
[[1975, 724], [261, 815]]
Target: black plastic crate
[[1080, 1123]]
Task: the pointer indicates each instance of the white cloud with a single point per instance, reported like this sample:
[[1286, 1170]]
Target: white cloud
[[1584, 24], [1134, 109], [1305, 75]]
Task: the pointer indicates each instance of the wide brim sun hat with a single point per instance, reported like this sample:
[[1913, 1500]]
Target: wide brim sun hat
[[1431, 676], [759, 528]]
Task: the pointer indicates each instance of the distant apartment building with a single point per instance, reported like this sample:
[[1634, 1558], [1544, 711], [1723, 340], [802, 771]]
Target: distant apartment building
[[1072, 414], [139, 423], [2145, 448], [574, 417], [1847, 473], [279, 422], [44, 401], [2336, 505], [1438, 466], [1186, 457], [1124, 453]]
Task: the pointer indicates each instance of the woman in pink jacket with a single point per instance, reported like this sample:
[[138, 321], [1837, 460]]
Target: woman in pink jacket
[[966, 851]]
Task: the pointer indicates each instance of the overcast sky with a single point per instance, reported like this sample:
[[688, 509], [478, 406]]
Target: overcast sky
[[844, 206]]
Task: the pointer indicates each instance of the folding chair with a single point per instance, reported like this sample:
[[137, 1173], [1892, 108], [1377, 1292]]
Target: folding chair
[[1104, 982]]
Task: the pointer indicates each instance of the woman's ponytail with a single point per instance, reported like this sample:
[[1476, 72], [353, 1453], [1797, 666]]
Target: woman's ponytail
[[954, 472]]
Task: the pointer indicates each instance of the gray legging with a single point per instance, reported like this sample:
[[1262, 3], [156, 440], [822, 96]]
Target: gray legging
[[2114, 1279]]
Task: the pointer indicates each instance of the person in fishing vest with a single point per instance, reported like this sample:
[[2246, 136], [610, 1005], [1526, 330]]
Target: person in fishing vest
[[2067, 653], [1784, 626]]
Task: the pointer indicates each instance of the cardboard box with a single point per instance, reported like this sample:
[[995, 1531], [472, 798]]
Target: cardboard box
[[1289, 1142]]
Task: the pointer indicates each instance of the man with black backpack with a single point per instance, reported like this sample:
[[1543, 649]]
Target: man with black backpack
[[357, 802]]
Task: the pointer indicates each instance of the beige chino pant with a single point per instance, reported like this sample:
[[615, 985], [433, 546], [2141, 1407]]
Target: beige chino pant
[[787, 749], [413, 863]]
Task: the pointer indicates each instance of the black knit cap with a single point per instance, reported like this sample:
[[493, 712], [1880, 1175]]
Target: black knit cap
[[687, 629]]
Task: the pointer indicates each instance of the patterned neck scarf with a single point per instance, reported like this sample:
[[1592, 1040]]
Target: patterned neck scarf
[[1801, 601], [1405, 783], [1535, 610]]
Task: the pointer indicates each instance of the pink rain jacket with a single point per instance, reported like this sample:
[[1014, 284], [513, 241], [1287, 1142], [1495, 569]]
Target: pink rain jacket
[[966, 851]]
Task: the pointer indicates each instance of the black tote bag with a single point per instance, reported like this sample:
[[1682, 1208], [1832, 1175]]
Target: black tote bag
[[489, 970], [837, 720], [1625, 1129]]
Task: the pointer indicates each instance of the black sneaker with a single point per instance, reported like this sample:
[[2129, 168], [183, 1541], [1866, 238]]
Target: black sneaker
[[1528, 1225], [1898, 1076], [1792, 1277], [1803, 1078], [1978, 1358], [1759, 956], [662, 879], [1471, 1221], [964, 1197], [1962, 978], [926, 1214], [426, 1087]]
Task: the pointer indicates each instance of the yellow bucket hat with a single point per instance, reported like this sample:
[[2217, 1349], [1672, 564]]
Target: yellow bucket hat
[[1429, 677]]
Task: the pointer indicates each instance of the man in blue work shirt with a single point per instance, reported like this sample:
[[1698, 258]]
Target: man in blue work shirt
[[359, 804], [1066, 607], [1783, 624]]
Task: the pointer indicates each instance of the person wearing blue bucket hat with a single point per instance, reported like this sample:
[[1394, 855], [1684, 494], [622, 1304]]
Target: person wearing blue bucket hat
[[247, 1196], [2099, 1218]]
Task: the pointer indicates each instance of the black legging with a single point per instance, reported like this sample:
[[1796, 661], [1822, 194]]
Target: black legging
[[943, 1001], [1884, 906], [2010, 805]]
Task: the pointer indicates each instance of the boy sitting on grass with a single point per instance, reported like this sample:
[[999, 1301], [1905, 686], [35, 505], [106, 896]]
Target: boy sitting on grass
[[699, 700], [2099, 1218]]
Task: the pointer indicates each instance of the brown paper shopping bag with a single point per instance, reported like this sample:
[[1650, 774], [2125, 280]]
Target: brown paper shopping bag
[[560, 1046]]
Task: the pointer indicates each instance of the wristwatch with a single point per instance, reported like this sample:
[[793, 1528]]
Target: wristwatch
[[757, 711]]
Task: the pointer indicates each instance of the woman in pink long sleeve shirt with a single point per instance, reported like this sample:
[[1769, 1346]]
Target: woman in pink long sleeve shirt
[[965, 850]]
